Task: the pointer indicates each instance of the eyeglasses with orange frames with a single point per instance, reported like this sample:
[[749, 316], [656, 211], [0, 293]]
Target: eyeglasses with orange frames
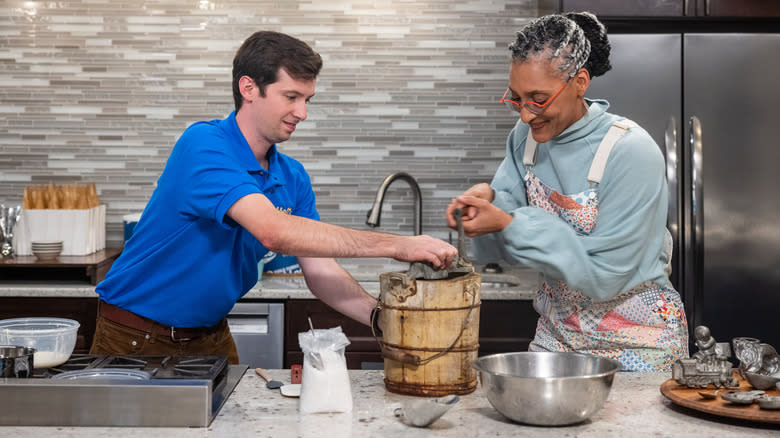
[[531, 106]]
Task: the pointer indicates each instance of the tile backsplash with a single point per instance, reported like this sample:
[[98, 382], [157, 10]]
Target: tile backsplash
[[99, 91]]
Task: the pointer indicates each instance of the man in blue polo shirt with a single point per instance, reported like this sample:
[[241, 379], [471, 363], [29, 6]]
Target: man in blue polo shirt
[[226, 197]]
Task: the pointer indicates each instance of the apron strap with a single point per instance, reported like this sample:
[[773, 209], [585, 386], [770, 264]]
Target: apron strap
[[616, 131], [529, 156]]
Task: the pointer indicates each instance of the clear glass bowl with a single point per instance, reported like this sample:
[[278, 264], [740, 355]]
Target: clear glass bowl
[[52, 338]]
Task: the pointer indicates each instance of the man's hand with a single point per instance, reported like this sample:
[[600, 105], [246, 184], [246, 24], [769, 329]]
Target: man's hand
[[483, 217], [416, 248]]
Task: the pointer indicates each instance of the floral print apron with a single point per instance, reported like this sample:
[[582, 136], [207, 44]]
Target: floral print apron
[[644, 328]]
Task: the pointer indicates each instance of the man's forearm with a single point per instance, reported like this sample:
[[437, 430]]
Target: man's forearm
[[336, 288], [298, 236], [308, 238]]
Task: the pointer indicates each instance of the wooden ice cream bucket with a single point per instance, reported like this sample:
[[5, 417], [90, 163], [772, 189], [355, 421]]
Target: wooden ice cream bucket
[[430, 333]]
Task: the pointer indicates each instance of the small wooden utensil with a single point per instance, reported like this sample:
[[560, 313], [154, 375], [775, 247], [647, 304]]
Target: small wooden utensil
[[270, 384]]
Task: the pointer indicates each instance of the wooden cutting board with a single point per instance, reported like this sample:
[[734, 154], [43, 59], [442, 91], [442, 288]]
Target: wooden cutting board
[[690, 398]]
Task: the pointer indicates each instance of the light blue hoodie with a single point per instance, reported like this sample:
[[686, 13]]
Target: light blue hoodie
[[625, 248]]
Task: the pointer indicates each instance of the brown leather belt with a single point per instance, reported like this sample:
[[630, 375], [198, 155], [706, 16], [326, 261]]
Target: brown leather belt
[[138, 322]]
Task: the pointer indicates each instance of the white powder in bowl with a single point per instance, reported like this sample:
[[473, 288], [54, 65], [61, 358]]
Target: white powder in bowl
[[48, 359]]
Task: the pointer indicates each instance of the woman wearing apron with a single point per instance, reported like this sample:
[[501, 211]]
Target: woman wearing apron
[[581, 197]]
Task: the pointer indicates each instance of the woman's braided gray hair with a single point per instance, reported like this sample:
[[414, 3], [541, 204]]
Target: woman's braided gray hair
[[574, 40]]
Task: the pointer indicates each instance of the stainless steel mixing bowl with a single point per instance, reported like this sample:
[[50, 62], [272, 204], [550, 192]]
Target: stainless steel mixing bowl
[[547, 389]]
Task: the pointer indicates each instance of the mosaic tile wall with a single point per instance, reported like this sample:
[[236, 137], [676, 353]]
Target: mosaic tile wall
[[99, 91]]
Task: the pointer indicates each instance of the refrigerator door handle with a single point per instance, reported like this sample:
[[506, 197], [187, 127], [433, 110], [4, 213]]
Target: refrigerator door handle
[[697, 217], [670, 144], [697, 189]]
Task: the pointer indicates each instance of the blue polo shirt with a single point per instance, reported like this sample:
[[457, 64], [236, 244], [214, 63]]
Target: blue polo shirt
[[187, 262]]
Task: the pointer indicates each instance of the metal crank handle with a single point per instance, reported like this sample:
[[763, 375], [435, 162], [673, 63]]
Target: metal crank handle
[[457, 214]]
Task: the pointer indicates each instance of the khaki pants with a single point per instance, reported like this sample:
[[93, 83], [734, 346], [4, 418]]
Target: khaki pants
[[115, 339]]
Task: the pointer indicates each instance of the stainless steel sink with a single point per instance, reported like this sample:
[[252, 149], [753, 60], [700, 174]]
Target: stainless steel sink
[[505, 280], [497, 285]]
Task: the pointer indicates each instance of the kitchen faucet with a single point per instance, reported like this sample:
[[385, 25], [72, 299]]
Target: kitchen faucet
[[372, 217]]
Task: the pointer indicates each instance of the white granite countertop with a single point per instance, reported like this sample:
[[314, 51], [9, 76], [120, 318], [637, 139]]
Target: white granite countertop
[[514, 284], [635, 407]]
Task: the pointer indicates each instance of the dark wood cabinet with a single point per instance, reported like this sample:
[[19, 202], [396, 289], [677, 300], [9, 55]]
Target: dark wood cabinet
[[739, 8], [675, 8], [505, 325], [363, 350], [629, 8], [90, 268], [83, 310]]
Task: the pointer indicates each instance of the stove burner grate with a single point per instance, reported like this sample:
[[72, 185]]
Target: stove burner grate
[[160, 367]]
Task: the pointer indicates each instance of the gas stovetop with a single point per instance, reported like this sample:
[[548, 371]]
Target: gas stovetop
[[177, 391], [159, 367]]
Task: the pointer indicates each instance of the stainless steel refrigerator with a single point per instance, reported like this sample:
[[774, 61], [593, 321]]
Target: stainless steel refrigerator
[[711, 102]]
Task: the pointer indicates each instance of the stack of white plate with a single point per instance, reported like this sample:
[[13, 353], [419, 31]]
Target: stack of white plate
[[47, 249]]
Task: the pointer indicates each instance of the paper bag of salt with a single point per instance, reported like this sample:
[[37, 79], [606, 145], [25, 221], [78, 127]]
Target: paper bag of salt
[[325, 383]]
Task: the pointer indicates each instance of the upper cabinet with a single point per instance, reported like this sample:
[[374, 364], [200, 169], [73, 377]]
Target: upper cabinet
[[627, 8], [739, 8], [675, 8]]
